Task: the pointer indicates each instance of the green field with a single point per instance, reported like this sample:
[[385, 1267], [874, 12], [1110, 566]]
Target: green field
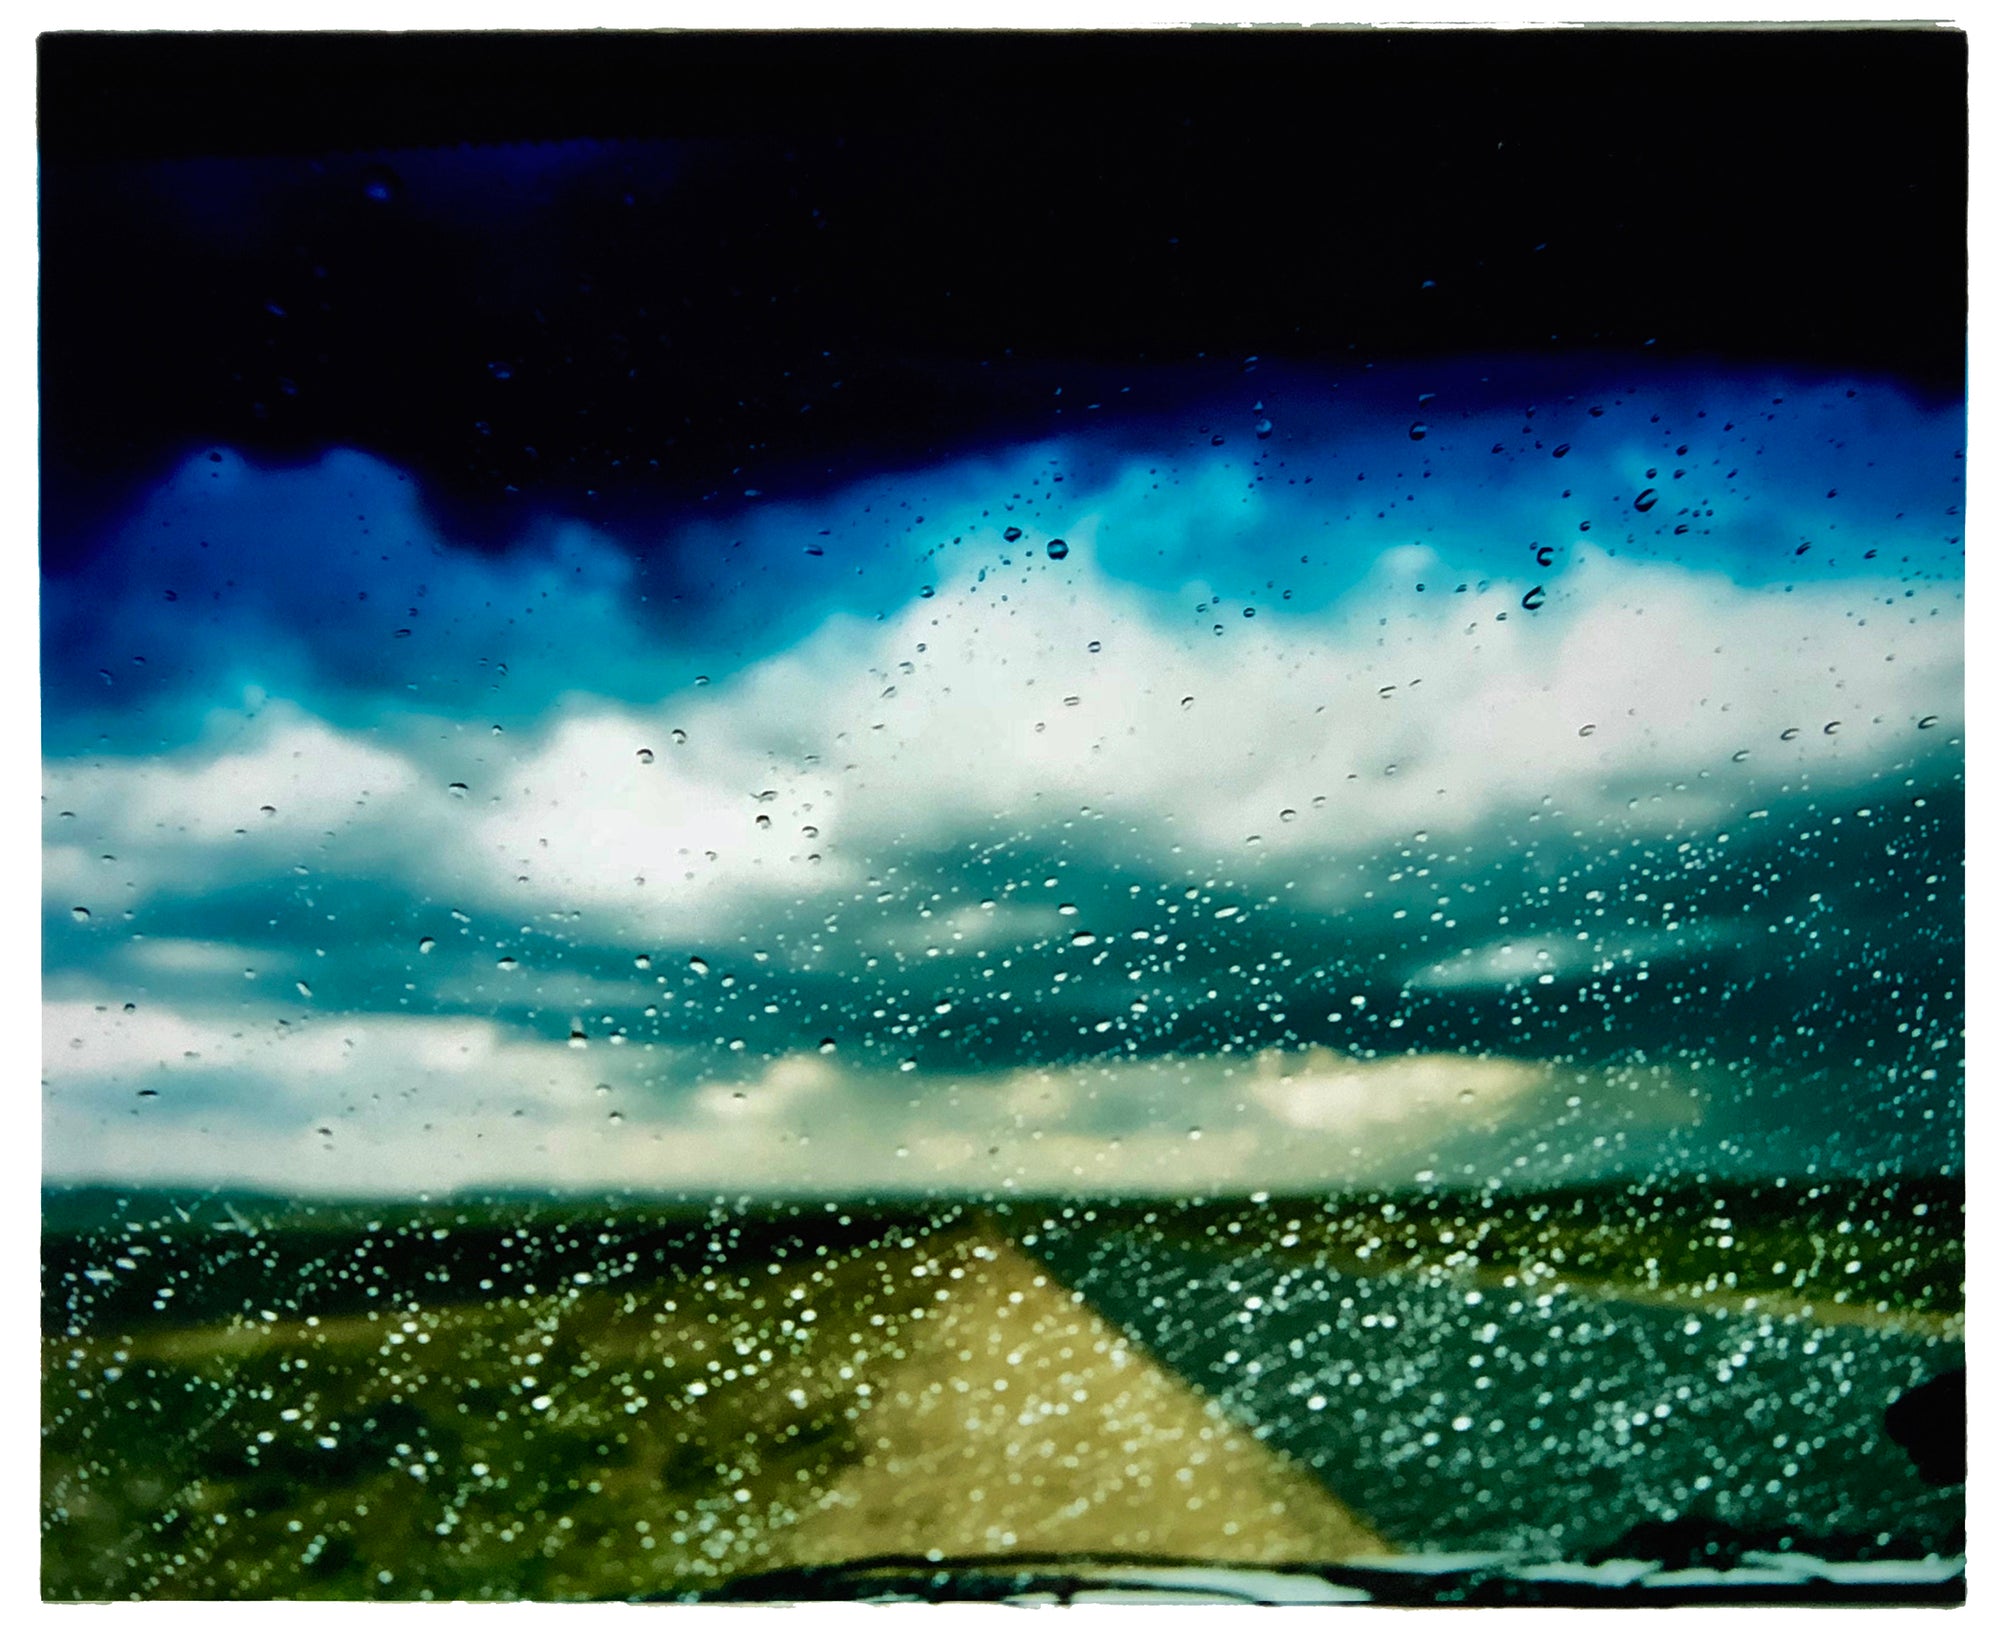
[[248, 1398]]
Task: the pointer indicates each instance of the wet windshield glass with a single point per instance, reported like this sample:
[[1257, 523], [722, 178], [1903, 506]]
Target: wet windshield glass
[[776, 835]]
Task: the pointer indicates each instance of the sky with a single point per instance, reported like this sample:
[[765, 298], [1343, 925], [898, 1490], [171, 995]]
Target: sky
[[1198, 766], [1332, 780]]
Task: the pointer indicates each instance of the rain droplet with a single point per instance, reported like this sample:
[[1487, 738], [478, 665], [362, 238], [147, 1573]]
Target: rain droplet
[[763, 821], [1011, 534], [1829, 728], [1418, 431], [828, 1045], [645, 755], [1058, 549], [1065, 909], [1789, 733], [1586, 730], [1545, 555], [1286, 815], [426, 945], [304, 988], [1645, 500], [507, 963], [1082, 940], [147, 1091], [457, 789], [1560, 450], [1263, 429], [1741, 756], [701, 682], [679, 737], [79, 913], [1534, 599], [1928, 722], [643, 962], [1188, 702], [698, 966]]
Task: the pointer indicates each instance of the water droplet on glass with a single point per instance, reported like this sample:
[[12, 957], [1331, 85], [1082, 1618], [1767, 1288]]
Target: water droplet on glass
[[147, 1091], [1927, 722], [1286, 815], [1065, 909], [643, 962], [1534, 599], [679, 737], [1830, 727], [1560, 450], [1789, 733], [1645, 500], [79, 913], [1545, 555], [1263, 429], [1188, 702], [457, 789], [645, 755], [1082, 940], [304, 988], [426, 945], [1058, 549], [1011, 534], [698, 966], [1741, 756], [1418, 431], [828, 1045], [507, 963], [1586, 730]]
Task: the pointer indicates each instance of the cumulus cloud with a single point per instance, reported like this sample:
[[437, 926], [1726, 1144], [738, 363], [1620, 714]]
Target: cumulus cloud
[[1096, 868]]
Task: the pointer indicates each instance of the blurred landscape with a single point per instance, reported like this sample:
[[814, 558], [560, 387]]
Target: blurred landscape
[[247, 1397]]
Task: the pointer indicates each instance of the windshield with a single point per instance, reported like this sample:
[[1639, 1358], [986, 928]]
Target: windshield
[[1003, 817]]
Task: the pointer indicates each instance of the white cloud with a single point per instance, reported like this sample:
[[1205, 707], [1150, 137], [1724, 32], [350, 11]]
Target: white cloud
[[1009, 706], [1320, 1090], [369, 1105]]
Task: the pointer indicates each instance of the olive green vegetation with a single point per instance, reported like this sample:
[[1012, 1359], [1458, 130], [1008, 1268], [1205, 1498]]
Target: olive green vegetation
[[256, 1398], [495, 1447]]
